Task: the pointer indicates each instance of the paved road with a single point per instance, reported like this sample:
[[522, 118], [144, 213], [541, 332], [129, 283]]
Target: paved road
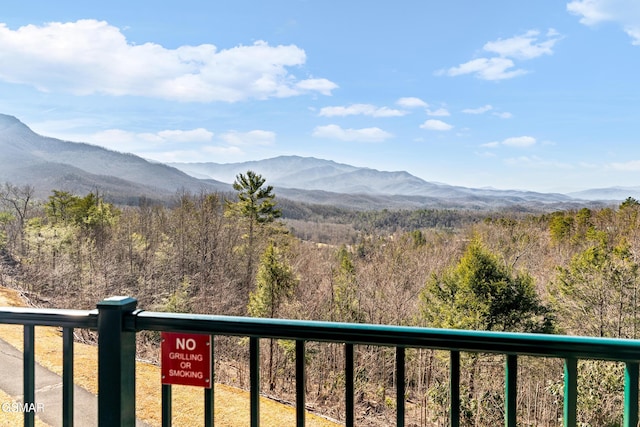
[[48, 391]]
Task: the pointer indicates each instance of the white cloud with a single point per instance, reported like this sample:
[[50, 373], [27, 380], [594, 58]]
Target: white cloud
[[432, 124], [373, 134], [536, 162], [440, 112], [89, 56], [517, 141], [630, 166], [126, 141], [492, 144], [503, 115], [360, 109], [486, 154], [487, 69], [323, 86], [525, 46], [195, 135], [254, 137], [634, 33], [411, 102], [211, 152], [522, 47], [625, 13], [478, 110]]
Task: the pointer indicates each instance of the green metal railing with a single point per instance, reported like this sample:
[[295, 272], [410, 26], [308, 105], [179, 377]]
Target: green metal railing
[[118, 321], [65, 319]]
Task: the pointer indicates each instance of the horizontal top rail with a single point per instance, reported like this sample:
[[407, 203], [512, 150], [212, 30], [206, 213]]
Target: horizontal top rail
[[49, 317], [540, 345]]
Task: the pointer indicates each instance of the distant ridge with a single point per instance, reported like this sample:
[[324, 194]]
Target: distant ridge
[[297, 176], [610, 193], [49, 163]]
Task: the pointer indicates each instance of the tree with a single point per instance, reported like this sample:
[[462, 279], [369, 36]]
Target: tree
[[20, 199], [59, 206], [630, 202], [596, 294], [344, 295], [479, 293], [89, 212], [257, 206], [275, 284]]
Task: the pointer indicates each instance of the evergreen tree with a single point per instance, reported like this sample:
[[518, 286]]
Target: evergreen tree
[[345, 301], [480, 294], [596, 294], [275, 284], [257, 206]]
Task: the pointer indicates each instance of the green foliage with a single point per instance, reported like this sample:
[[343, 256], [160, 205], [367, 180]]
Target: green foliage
[[179, 301], [89, 212], [256, 207], [5, 219], [560, 227], [275, 284], [255, 201], [478, 293], [345, 300], [596, 293], [630, 202], [418, 238], [60, 205]]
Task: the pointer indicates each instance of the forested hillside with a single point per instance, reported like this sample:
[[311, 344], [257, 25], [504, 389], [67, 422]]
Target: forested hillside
[[568, 272]]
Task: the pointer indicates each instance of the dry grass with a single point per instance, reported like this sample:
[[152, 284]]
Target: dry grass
[[231, 405]]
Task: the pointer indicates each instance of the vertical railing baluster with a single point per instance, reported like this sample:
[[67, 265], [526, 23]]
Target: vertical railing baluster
[[400, 386], [209, 392], [208, 407], [570, 392], [454, 388], [67, 377], [167, 413], [28, 372], [349, 385], [254, 373], [300, 384], [511, 390], [631, 394]]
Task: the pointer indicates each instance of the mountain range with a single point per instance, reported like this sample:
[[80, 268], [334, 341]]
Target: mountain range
[[48, 163]]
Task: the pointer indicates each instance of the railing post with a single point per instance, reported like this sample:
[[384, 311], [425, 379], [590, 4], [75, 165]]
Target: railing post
[[28, 373], [349, 385], [67, 377], [254, 381], [116, 364], [631, 394], [454, 388], [570, 392], [300, 384], [511, 391], [209, 392], [167, 413], [400, 386]]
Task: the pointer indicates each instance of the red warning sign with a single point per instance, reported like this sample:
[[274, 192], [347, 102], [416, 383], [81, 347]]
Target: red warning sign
[[186, 359]]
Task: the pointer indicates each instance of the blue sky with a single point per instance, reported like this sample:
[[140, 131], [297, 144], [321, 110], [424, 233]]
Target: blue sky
[[538, 95]]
